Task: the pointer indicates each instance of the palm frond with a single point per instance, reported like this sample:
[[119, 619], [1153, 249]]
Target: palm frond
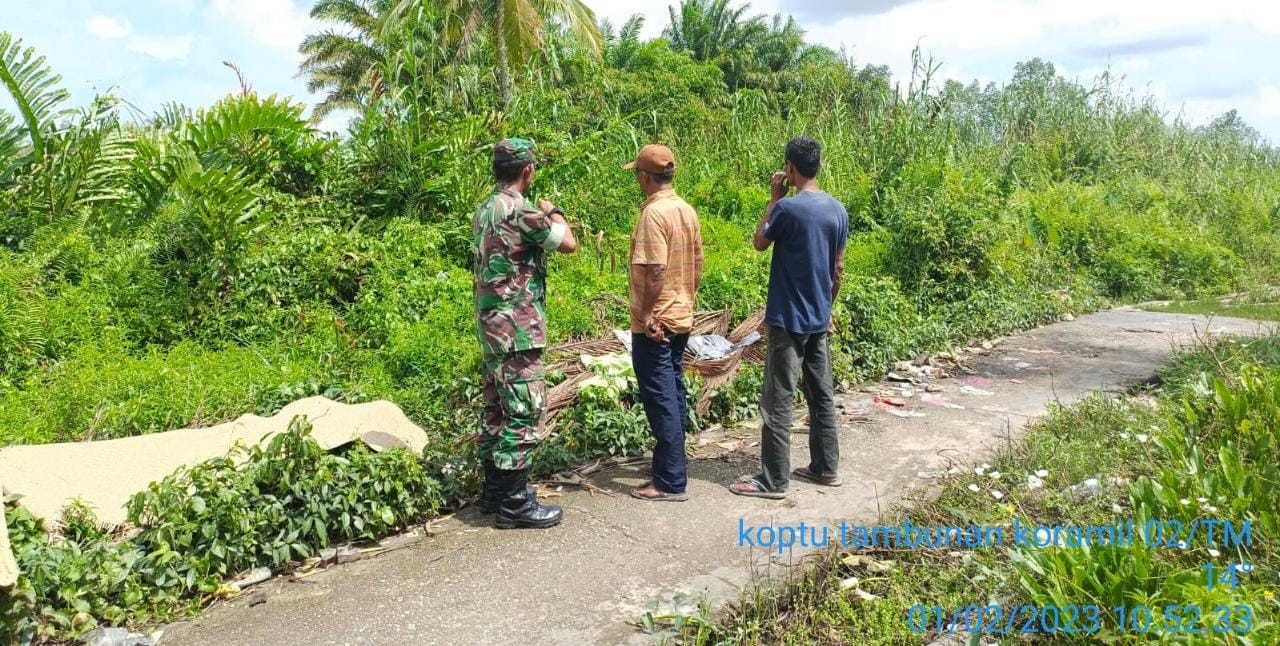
[[522, 29], [172, 115], [576, 17], [34, 89], [91, 159], [231, 118], [11, 148], [22, 335], [359, 14]]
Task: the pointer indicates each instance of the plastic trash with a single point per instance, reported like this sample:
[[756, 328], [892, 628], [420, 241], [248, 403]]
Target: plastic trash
[[704, 346], [252, 578], [710, 346], [939, 400], [1087, 489], [103, 636], [625, 337], [904, 413]]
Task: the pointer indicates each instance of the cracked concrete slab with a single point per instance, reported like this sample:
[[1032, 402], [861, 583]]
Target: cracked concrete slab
[[583, 581]]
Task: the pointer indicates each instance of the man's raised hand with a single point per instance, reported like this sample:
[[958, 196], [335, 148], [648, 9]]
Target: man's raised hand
[[778, 186]]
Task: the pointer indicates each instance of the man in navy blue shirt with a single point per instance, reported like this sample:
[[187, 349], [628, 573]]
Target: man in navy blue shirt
[[808, 232]]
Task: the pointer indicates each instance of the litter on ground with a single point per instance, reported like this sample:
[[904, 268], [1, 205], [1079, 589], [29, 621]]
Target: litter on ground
[[938, 400], [904, 413], [881, 400]]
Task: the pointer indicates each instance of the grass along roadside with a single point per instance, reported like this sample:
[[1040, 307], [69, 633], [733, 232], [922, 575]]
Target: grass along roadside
[[1262, 307], [1202, 447]]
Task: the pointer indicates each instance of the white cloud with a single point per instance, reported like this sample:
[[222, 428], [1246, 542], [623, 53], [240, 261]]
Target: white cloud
[[1199, 59], [108, 27], [1263, 104], [1269, 102], [276, 23], [165, 48], [618, 11]]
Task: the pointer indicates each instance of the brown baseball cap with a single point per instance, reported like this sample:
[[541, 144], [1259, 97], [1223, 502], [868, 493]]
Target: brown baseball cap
[[654, 158]]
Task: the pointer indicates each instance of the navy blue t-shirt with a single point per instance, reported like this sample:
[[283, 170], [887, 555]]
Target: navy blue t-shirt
[[808, 231]]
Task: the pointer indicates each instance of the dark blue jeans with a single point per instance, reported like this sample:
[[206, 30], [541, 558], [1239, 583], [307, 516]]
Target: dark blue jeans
[[660, 372]]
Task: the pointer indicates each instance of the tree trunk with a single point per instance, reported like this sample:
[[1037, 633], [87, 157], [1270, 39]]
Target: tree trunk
[[500, 43]]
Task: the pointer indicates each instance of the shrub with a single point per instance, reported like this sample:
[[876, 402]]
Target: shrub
[[945, 221], [877, 325], [259, 506]]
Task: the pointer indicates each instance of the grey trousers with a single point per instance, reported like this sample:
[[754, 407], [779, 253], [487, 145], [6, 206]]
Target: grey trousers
[[788, 357]]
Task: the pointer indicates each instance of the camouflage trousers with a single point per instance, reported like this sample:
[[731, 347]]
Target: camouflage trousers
[[514, 403]]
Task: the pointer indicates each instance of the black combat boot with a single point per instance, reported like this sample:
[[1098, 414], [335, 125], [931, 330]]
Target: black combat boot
[[520, 506], [491, 496]]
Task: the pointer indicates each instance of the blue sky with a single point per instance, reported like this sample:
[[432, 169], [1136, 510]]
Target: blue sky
[[1198, 58], [154, 51]]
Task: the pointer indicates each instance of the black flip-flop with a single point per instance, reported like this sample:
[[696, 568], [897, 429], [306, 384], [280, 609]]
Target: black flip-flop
[[760, 492]]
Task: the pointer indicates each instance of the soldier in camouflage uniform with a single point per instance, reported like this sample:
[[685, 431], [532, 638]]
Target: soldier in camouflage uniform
[[512, 239]]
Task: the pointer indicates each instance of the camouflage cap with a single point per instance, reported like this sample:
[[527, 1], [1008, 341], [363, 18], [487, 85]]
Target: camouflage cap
[[514, 149]]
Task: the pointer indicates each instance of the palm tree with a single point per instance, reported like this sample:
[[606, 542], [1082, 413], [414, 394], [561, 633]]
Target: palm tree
[[781, 44], [517, 29], [711, 29], [380, 49], [621, 45], [345, 64]]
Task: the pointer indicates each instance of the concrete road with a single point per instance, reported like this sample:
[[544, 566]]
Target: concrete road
[[581, 582]]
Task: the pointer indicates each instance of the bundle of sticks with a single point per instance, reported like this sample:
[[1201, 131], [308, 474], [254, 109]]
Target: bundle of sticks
[[716, 373]]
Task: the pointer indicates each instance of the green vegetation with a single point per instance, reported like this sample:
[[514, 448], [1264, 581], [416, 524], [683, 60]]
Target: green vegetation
[[198, 264], [259, 506], [1248, 309], [1204, 448]]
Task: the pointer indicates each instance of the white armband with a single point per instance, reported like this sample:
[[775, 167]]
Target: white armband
[[558, 231]]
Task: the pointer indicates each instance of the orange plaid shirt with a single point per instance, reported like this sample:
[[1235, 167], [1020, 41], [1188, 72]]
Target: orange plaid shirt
[[667, 233]]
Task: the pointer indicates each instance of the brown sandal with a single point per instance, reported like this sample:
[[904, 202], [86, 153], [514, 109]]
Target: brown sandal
[[662, 496], [803, 473]]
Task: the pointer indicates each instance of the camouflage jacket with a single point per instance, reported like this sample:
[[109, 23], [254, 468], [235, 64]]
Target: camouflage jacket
[[512, 238]]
